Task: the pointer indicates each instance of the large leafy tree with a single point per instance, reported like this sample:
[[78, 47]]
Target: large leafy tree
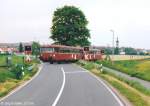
[[69, 27]]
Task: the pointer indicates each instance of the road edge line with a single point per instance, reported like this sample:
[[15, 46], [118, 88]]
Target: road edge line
[[106, 86], [22, 85], [62, 88]]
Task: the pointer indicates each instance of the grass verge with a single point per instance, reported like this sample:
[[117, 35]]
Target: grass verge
[[133, 91], [10, 82], [134, 68]]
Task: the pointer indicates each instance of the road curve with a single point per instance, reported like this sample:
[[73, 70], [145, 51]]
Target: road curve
[[62, 85]]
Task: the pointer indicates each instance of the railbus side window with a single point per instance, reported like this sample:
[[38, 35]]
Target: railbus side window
[[45, 49]]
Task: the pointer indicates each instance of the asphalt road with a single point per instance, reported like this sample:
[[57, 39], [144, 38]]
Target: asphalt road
[[63, 85]]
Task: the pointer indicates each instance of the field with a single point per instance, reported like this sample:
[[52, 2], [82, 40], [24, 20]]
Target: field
[[127, 57], [136, 68], [15, 60]]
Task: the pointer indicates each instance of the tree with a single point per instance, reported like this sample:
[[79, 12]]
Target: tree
[[117, 50], [69, 27], [20, 47], [130, 51], [35, 48], [108, 51]]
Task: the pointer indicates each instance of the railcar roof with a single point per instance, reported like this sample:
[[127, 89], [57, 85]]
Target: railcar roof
[[94, 50], [61, 46]]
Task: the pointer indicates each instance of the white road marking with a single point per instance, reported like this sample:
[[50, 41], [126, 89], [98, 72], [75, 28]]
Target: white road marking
[[115, 96], [105, 85], [23, 85], [74, 72], [62, 88]]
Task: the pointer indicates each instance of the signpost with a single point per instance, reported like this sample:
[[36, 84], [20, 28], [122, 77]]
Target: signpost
[[9, 61]]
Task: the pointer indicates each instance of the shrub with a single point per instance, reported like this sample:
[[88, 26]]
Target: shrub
[[17, 70]]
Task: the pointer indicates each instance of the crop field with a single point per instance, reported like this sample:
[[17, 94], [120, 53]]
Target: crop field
[[15, 59], [127, 57], [135, 68]]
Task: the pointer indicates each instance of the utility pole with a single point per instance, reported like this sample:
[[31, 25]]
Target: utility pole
[[113, 44]]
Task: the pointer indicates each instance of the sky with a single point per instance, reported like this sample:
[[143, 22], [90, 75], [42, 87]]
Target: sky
[[28, 20]]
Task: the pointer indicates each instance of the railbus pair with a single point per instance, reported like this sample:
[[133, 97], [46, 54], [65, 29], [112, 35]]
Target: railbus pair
[[60, 53]]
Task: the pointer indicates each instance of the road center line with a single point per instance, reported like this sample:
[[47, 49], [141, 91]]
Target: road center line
[[62, 88], [74, 72]]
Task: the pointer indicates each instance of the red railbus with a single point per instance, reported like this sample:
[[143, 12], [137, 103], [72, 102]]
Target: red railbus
[[59, 53]]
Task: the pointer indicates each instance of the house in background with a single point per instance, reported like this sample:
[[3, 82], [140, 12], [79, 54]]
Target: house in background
[[5, 50], [9, 48]]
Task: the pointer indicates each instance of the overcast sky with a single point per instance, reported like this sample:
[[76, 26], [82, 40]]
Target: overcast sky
[[28, 20]]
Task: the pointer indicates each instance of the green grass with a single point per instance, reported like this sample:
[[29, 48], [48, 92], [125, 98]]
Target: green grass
[[135, 68], [5, 74], [131, 83], [133, 97], [8, 79], [2, 60]]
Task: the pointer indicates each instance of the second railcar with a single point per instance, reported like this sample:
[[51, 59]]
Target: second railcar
[[91, 54]]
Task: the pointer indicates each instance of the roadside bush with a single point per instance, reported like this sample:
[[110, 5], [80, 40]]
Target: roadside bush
[[17, 70]]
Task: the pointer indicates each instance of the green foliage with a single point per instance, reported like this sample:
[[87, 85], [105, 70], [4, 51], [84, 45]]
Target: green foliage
[[130, 51], [108, 51], [35, 48], [21, 48], [17, 70], [69, 27], [117, 50]]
